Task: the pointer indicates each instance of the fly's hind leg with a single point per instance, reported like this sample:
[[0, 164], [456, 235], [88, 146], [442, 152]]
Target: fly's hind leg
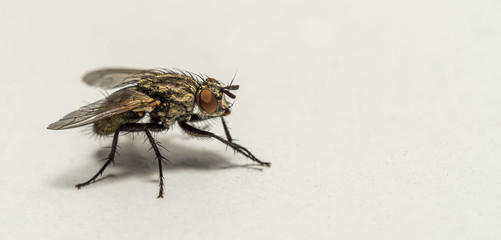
[[108, 126], [133, 127], [111, 157]]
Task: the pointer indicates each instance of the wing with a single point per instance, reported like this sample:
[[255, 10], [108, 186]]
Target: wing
[[119, 102], [115, 77]]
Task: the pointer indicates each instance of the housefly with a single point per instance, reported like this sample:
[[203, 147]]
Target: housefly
[[152, 101]]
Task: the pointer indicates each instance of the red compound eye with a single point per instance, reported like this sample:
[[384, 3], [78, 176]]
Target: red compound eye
[[208, 101]]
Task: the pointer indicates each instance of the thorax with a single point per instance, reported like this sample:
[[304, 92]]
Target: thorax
[[176, 93]]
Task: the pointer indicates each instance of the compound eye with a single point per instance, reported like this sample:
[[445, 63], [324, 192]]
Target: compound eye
[[208, 101]]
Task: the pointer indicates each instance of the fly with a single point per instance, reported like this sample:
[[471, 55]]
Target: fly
[[162, 97]]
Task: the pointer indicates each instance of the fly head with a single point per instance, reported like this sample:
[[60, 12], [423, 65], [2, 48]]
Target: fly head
[[211, 98]]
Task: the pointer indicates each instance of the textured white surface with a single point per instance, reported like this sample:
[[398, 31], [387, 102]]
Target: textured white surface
[[382, 120]]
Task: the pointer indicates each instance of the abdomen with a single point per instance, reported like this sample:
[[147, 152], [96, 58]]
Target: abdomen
[[110, 125]]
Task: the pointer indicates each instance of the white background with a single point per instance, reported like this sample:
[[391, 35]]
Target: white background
[[381, 118]]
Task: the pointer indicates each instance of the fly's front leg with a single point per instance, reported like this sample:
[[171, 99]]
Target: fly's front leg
[[201, 133], [226, 131], [196, 118]]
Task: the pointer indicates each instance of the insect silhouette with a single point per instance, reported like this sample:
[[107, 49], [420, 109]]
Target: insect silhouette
[[152, 101]]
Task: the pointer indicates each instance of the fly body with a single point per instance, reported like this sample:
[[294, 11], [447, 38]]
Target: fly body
[[163, 97]]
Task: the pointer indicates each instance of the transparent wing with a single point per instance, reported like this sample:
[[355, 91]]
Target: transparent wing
[[119, 102], [114, 77]]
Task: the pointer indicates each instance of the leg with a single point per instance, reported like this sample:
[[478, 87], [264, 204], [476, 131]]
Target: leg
[[159, 158], [196, 118], [226, 131], [201, 133], [111, 157], [146, 127], [132, 127]]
